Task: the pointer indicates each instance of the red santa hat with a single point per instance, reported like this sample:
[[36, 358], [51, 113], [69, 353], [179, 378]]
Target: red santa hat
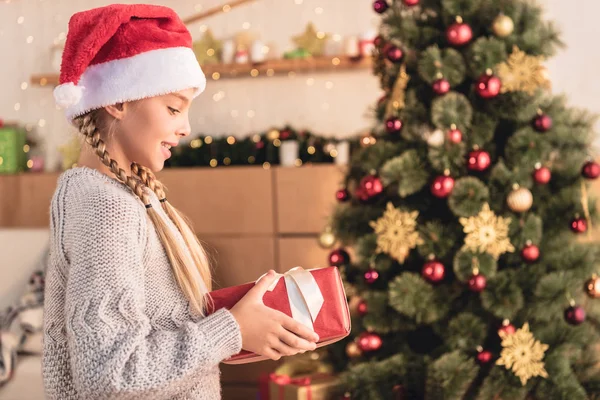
[[125, 52]]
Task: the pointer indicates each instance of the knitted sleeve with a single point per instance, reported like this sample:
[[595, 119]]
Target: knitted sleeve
[[114, 352]]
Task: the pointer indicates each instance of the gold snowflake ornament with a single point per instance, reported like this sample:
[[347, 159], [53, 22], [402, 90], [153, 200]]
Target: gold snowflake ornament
[[522, 72], [396, 232], [487, 233], [522, 353]]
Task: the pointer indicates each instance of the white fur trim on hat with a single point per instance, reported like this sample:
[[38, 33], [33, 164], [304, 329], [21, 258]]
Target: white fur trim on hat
[[67, 94], [148, 74]]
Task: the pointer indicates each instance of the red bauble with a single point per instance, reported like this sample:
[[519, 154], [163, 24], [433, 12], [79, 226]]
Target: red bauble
[[477, 283], [455, 135], [590, 170], [542, 123], [478, 160], [484, 357], [362, 308], [579, 225], [393, 125], [442, 186], [433, 271], [575, 315], [342, 195], [507, 328], [530, 253], [393, 53], [411, 2], [285, 134], [542, 175], [371, 276], [378, 41], [380, 6], [339, 257], [260, 145], [441, 86], [369, 341], [371, 186], [459, 33], [488, 86]]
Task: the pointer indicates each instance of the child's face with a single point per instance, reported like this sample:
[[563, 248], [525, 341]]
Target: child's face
[[147, 125]]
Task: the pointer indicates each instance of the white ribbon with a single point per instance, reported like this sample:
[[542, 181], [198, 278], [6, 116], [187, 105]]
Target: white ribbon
[[304, 295]]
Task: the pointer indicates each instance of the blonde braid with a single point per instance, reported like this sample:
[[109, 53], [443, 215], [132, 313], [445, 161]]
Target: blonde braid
[[181, 222], [184, 269]]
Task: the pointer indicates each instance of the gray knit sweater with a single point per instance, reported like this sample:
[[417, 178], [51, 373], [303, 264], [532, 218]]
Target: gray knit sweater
[[116, 324]]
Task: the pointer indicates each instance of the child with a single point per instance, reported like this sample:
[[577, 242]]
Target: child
[[125, 297]]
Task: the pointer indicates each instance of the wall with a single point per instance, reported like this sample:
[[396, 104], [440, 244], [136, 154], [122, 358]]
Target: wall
[[335, 104]]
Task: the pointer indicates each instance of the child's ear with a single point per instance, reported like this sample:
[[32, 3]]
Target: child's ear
[[116, 110]]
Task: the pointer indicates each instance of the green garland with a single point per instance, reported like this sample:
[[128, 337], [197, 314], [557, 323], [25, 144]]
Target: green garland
[[259, 149]]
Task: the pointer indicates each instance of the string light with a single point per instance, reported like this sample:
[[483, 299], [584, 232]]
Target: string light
[[26, 148], [246, 25], [213, 162], [311, 150], [298, 162], [24, 86], [196, 143], [298, 2], [29, 164], [310, 81], [20, 20], [266, 165], [216, 76], [251, 159], [251, 114], [17, 106], [29, 39], [254, 73], [208, 140], [227, 161], [319, 10], [42, 123], [256, 138], [270, 72], [226, 8], [230, 140], [276, 142], [203, 28], [335, 61], [328, 85]]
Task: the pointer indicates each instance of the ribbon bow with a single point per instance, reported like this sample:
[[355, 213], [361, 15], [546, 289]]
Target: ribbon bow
[[304, 295]]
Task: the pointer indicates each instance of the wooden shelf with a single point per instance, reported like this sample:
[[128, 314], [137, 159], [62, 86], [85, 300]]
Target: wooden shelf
[[268, 68]]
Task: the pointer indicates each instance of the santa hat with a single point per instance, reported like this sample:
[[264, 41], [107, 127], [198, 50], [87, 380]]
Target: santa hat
[[125, 52]]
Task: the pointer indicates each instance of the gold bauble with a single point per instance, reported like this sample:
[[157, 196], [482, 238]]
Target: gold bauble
[[327, 239], [352, 350], [520, 199], [503, 25], [592, 287]]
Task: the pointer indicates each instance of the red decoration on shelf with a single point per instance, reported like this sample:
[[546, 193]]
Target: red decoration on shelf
[[488, 85], [339, 257], [478, 160], [380, 6], [433, 271], [542, 123], [411, 3], [260, 145], [454, 134], [477, 283], [442, 186], [371, 276], [590, 170], [542, 175], [369, 341], [441, 86], [393, 125], [362, 308], [530, 253], [393, 53], [575, 315], [342, 195], [459, 33], [484, 357], [579, 225]]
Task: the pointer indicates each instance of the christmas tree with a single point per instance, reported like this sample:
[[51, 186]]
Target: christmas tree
[[463, 221]]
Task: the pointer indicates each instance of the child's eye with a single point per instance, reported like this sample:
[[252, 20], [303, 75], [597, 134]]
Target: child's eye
[[173, 111]]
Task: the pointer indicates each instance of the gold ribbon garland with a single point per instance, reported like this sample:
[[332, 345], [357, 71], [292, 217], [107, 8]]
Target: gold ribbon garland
[[586, 210]]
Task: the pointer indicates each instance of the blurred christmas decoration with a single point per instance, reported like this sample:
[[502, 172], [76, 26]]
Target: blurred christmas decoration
[[352, 350], [396, 232], [311, 41], [442, 186], [208, 49], [523, 354], [575, 315], [327, 239], [477, 282], [371, 276], [13, 143], [369, 341], [522, 72], [70, 152], [487, 233], [380, 6], [542, 175], [592, 287], [342, 195], [530, 253], [484, 356], [519, 199], [579, 225], [459, 33], [433, 271], [590, 170], [339, 257], [396, 100], [478, 160], [489, 85], [503, 26], [542, 122], [507, 328], [393, 125]]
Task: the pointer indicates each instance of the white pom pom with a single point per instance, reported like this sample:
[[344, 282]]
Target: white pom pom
[[67, 94]]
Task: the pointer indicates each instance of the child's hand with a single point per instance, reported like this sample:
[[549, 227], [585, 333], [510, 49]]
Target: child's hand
[[269, 332]]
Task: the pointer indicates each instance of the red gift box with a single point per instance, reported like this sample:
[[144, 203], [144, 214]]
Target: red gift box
[[314, 297]]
